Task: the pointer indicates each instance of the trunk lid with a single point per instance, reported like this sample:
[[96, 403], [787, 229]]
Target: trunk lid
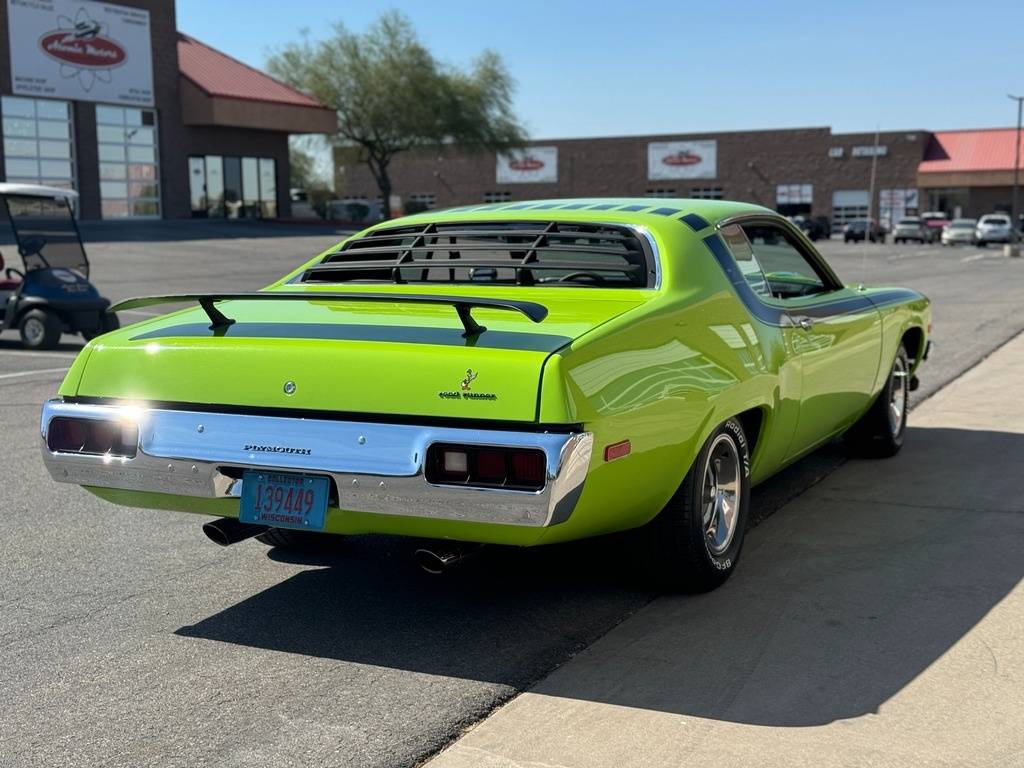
[[350, 357]]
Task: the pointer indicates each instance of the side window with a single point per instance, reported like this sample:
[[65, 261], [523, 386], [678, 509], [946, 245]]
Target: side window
[[786, 270]]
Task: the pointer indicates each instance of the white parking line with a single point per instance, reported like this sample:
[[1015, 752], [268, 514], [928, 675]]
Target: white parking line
[[975, 257], [32, 373], [29, 353], [139, 312]]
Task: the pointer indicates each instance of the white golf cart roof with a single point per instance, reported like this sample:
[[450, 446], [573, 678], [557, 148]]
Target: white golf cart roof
[[37, 190]]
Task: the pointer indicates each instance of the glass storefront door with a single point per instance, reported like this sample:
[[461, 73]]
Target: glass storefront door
[[233, 187]]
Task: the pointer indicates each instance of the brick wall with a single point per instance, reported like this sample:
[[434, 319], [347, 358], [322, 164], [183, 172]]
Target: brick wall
[[750, 166]]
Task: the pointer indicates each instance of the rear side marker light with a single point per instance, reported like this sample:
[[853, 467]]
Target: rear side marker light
[[617, 450], [92, 436], [520, 469]]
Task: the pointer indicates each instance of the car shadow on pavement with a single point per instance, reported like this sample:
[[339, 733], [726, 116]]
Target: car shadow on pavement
[[842, 599]]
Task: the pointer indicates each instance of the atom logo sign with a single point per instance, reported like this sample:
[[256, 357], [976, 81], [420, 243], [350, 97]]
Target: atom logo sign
[[84, 49]]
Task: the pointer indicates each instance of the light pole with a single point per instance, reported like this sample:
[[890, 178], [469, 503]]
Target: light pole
[[1014, 221]]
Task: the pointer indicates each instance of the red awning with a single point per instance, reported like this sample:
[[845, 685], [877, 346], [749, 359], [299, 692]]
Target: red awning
[[985, 150], [219, 75]]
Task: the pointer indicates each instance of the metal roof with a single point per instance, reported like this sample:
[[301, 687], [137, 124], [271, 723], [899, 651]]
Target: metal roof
[[219, 75], [973, 150]]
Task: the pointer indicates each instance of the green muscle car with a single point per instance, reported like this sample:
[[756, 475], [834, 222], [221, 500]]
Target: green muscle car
[[520, 373]]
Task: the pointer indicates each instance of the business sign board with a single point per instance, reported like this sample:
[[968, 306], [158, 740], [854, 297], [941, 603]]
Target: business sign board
[[533, 165], [682, 160], [79, 50], [894, 204], [871, 150]]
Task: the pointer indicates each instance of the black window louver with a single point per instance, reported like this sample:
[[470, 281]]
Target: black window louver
[[517, 252]]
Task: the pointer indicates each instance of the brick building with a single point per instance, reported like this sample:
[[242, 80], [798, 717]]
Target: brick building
[[145, 122], [810, 171]]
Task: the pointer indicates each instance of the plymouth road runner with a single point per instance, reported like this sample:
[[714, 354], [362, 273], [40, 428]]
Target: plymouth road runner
[[522, 373]]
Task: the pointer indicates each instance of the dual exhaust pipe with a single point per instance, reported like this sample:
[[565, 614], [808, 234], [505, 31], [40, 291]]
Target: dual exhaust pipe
[[226, 531]]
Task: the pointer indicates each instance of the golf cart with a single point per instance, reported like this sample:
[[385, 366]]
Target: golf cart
[[52, 294]]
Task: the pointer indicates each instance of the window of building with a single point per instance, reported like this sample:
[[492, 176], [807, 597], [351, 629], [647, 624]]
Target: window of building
[[660, 192], [233, 187], [706, 193], [497, 197], [429, 202], [38, 143], [129, 164]]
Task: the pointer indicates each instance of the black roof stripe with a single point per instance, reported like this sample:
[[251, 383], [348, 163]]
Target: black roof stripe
[[602, 207], [667, 211], [634, 207], [694, 222]]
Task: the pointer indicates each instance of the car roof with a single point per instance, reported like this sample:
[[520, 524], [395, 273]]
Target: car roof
[[652, 212]]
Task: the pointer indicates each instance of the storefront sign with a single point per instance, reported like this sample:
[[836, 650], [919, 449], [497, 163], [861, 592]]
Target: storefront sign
[[869, 151], [682, 160], [533, 165], [794, 194], [894, 204], [82, 51]]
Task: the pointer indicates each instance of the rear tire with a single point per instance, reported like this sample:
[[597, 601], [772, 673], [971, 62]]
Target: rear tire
[[108, 323], [40, 329], [694, 543], [287, 538], [878, 434]]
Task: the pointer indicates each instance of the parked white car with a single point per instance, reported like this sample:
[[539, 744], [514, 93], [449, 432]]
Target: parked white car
[[959, 231], [994, 228], [909, 228]]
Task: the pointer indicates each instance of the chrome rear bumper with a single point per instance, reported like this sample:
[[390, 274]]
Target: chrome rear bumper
[[375, 468]]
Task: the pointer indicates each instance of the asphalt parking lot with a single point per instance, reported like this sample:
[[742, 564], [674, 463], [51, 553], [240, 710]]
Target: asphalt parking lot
[[128, 639]]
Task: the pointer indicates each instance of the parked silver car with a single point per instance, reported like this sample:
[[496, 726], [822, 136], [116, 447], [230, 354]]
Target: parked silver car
[[994, 228], [959, 231], [909, 228]]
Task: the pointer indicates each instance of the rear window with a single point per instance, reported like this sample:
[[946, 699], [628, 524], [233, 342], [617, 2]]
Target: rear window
[[536, 253], [910, 222], [995, 219]]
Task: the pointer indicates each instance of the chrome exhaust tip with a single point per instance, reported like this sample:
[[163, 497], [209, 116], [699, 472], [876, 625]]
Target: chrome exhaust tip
[[226, 531], [437, 561]]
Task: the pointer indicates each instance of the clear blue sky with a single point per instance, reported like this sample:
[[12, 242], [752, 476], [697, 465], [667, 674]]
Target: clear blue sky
[[598, 69]]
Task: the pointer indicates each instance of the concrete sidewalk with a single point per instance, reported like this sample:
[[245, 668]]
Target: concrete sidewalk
[[876, 620]]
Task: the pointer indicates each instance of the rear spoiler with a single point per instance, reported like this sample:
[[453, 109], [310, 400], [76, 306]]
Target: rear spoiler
[[219, 321]]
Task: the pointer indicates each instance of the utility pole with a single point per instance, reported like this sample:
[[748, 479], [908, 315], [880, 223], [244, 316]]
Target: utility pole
[[1015, 222], [871, 188]]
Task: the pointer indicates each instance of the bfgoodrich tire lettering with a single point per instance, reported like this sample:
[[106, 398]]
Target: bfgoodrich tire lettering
[[694, 543]]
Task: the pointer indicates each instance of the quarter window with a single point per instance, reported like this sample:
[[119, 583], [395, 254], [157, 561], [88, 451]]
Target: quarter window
[[38, 144]]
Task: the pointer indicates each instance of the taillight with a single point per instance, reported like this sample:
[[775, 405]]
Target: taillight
[[520, 469], [92, 436]]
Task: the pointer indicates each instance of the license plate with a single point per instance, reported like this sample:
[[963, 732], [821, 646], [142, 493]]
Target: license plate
[[284, 500]]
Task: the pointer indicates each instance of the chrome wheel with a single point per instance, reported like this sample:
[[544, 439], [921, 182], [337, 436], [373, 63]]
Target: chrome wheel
[[898, 394], [720, 494], [34, 331]]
